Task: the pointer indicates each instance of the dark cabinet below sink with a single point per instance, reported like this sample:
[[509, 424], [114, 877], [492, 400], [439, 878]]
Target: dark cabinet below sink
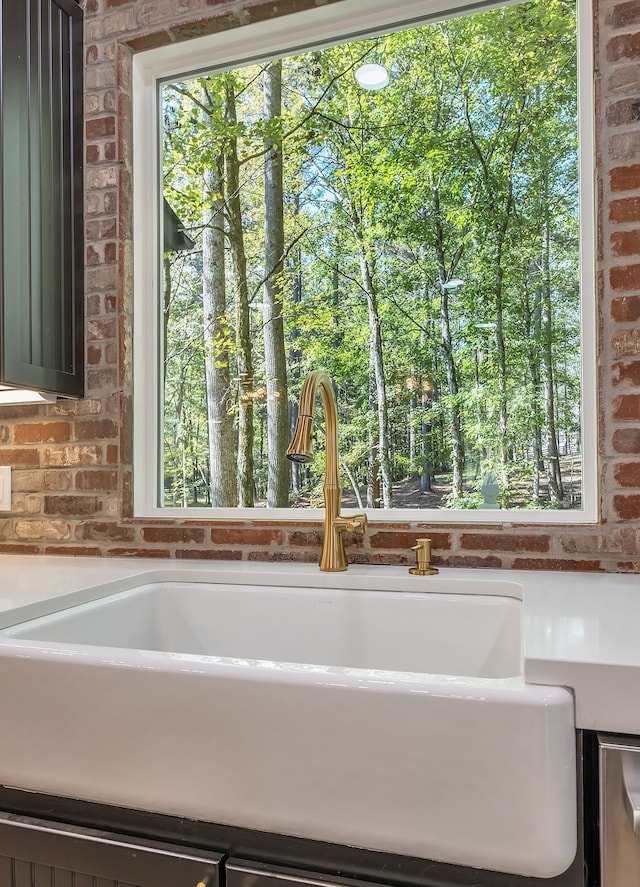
[[34, 853], [243, 873]]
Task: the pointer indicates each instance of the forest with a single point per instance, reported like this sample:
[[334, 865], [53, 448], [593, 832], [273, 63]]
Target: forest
[[419, 242]]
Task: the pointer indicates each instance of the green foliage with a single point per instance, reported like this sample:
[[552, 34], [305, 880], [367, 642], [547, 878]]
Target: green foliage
[[465, 167]]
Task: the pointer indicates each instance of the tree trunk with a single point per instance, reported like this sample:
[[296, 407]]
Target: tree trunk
[[457, 443], [376, 363], [244, 359], [216, 334], [373, 463], [501, 348], [411, 432], [426, 469], [295, 353], [555, 477], [533, 320], [167, 287], [274, 346]]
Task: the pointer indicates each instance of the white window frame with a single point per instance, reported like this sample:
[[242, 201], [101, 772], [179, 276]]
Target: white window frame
[[337, 22]]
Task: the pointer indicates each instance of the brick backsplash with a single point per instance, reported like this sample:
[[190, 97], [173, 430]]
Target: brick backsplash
[[72, 460]]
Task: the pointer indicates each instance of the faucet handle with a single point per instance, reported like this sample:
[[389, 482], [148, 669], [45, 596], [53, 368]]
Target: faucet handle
[[423, 556], [355, 523]]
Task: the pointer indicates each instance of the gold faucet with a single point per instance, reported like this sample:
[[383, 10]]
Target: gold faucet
[[423, 567], [333, 557]]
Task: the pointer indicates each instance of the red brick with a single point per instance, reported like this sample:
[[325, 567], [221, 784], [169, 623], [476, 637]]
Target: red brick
[[105, 531], [173, 534], [626, 342], [102, 329], [73, 550], [101, 277], [100, 480], [242, 536], [627, 372], [624, 14], [627, 507], [625, 178], [72, 505], [627, 567], [625, 209], [405, 540], [72, 456], [281, 555], [627, 474], [97, 429], [458, 560], [625, 309], [94, 354], [581, 544], [100, 380], [626, 406], [139, 552], [50, 432], [624, 112], [624, 146], [100, 127], [44, 530], [623, 46], [111, 202], [385, 558], [17, 548], [625, 243], [25, 457], [301, 539], [530, 563], [504, 542], [57, 480], [625, 277], [624, 80], [211, 554], [93, 306], [150, 41], [100, 229], [626, 440]]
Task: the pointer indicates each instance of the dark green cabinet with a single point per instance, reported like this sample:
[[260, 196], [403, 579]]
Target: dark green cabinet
[[41, 252], [34, 853], [246, 873]]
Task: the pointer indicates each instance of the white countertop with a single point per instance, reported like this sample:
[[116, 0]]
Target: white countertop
[[581, 630]]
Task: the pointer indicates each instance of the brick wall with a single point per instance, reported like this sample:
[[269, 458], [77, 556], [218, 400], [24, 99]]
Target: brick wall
[[72, 461]]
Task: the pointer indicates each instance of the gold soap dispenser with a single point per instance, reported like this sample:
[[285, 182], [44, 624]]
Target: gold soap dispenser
[[423, 567]]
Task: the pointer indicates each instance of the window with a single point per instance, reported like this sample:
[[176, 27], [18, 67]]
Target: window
[[422, 238]]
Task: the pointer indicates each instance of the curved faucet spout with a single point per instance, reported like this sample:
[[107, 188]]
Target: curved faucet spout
[[333, 557]]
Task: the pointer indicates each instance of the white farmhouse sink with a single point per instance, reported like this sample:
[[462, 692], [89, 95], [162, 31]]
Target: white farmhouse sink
[[393, 720], [452, 634]]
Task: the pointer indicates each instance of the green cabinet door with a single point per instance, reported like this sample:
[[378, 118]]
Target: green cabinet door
[[41, 252]]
